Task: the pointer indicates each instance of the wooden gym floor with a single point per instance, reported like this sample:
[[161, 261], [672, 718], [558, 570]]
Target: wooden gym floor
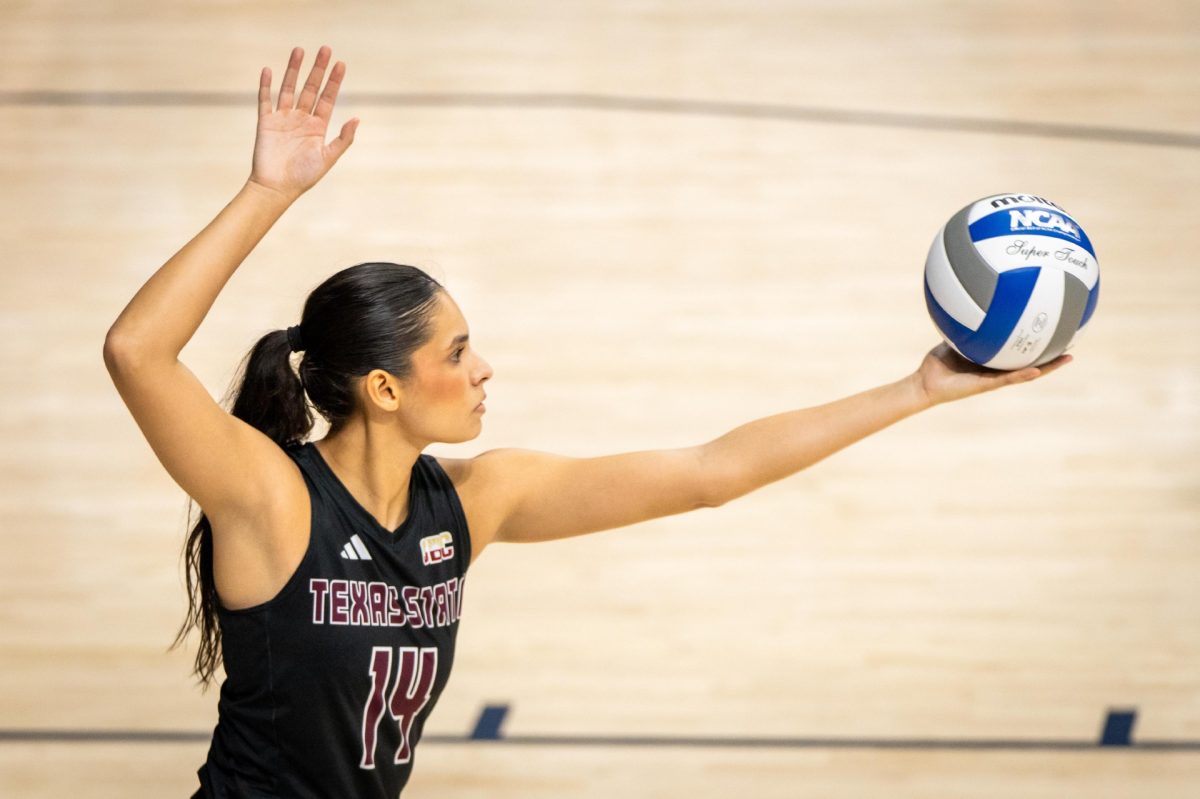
[[662, 220]]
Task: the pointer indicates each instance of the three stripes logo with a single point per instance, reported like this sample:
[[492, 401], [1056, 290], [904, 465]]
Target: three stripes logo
[[355, 550]]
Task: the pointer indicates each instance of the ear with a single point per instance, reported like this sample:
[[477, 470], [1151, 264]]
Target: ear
[[383, 390]]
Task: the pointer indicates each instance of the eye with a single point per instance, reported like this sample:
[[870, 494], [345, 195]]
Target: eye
[[458, 354]]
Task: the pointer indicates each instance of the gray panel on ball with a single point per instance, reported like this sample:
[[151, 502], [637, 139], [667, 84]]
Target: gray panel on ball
[[973, 272], [1075, 297]]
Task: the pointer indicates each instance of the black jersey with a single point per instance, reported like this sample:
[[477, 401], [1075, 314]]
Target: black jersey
[[329, 683]]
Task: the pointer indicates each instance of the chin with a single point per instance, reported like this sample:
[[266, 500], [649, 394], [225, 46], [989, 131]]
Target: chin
[[463, 436]]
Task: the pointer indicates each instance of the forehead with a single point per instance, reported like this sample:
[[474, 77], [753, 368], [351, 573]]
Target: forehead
[[447, 320], [448, 314]]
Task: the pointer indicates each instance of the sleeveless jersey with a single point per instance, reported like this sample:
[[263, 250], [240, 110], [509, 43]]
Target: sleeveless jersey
[[329, 683]]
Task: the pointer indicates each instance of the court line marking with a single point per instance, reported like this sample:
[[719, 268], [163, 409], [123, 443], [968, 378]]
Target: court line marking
[[657, 105], [662, 741]]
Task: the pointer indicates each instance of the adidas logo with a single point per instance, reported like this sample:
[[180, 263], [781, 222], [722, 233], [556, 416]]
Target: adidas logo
[[355, 550]]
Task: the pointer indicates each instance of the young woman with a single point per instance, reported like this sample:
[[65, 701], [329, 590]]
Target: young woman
[[327, 576]]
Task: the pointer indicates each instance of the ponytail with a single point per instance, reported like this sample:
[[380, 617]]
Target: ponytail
[[370, 316], [269, 397]]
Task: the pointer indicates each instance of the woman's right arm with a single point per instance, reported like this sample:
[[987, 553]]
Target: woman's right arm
[[213, 456], [230, 468]]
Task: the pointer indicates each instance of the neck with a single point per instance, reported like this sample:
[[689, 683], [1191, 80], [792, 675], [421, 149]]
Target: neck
[[375, 465]]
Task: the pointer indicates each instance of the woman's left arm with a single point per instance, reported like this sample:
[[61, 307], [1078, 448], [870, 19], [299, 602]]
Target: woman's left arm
[[522, 496]]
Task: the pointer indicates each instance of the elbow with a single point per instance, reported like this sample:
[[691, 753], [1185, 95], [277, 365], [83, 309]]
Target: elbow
[[119, 353], [714, 481], [716, 495], [112, 352]]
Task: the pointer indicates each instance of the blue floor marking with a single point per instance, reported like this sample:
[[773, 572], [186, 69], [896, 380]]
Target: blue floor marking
[[1118, 728], [488, 726]]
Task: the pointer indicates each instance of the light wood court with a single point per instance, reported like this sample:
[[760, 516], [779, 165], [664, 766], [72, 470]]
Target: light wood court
[[661, 220]]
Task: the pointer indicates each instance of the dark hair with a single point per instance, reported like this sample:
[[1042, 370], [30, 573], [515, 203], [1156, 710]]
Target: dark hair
[[369, 316]]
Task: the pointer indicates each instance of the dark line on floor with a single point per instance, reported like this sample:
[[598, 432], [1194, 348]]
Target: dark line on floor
[[708, 108], [819, 743], [181, 736], [103, 736]]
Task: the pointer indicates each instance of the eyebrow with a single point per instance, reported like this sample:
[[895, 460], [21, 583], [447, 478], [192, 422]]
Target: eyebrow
[[462, 339]]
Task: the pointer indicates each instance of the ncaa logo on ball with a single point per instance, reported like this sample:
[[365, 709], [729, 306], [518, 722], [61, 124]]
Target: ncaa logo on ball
[[1041, 220], [1010, 281]]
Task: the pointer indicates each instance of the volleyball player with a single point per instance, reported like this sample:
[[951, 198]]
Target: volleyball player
[[327, 576]]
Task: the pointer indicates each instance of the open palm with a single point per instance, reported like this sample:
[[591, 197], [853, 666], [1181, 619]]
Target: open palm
[[290, 153], [946, 376]]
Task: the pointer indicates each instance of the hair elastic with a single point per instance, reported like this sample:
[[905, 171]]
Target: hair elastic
[[293, 336]]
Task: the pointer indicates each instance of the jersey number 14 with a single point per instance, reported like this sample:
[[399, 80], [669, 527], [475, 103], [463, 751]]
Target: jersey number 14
[[410, 692]]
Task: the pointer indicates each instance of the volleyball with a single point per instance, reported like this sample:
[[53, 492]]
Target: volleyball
[[1011, 280]]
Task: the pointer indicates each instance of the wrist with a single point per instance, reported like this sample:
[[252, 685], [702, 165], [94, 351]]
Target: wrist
[[918, 394], [269, 195]]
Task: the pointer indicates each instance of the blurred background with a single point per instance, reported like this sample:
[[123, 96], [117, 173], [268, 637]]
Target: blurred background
[[662, 219]]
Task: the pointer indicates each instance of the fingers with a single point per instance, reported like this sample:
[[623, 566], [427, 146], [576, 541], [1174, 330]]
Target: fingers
[[309, 96], [1056, 364], [308, 102], [329, 96], [344, 139], [288, 90], [264, 92], [1034, 372], [1023, 375]]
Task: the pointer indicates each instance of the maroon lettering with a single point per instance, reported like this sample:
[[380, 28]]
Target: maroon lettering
[[427, 605], [337, 602], [417, 672], [378, 593], [359, 614], [318, 588], [452, 592], [395, 612], [411, 593], [379, 670], [415, 675], [439, 598], [377, 604]]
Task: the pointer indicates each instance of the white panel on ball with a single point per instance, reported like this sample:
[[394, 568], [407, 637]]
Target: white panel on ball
[[946, 288]]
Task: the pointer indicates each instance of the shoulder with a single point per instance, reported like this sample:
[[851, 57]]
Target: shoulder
[[492, 474], [487, 486], [476, 480]]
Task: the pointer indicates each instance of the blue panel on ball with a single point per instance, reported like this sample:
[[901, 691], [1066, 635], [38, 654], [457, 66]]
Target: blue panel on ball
[[1093, 295], [1033, 221], [1008, 303]]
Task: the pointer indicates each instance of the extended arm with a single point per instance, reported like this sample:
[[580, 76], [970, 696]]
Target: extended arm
[[523, 496]]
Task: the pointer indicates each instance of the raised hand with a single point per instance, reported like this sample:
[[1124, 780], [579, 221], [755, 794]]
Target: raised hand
[[290, 153], [945, 375]]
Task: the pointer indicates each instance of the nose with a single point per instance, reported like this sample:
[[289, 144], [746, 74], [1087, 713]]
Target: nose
[[483, 371]]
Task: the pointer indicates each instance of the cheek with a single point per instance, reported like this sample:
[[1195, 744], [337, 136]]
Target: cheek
[[444, 387]]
